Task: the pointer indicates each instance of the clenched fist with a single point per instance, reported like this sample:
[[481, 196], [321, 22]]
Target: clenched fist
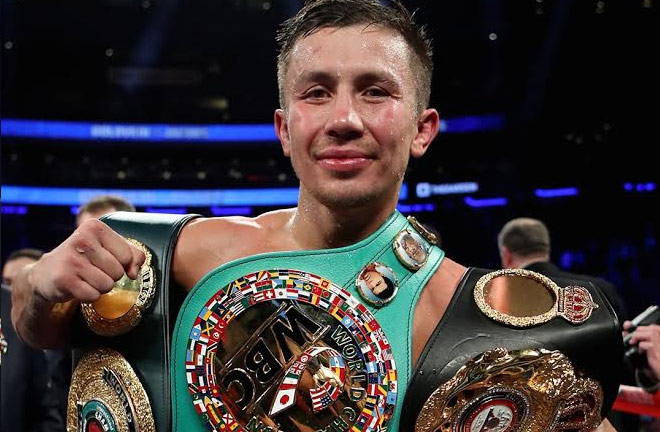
[[85, 265]]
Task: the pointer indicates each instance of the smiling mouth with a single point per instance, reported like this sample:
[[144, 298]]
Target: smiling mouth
[[345, 164]]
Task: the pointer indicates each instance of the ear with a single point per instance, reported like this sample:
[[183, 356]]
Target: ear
[[428, 126], [282, 131], [506, 256]]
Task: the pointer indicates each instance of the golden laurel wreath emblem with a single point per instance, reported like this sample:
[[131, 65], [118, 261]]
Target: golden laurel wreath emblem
[[118, 311], [514, 391]]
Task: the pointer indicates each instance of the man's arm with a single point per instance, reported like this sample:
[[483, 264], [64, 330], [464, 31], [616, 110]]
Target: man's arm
[[45, 295]]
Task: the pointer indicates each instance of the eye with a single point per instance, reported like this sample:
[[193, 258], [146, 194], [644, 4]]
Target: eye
[[375, 93], [316, 93]]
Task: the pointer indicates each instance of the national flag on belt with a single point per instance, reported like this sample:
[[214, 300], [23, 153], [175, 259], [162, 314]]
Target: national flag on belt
[[190, 379], [320, 399], [372, 367], [239, 307], [199, 406], [265, 295], [280, 293], [391, 398], [292, 293], [347, 321], [195, 332], [284, 398], [317, 290], [361, 423], [325, 283], [228, 419], [262, 285], [315, 299], [200, 349], [324, 304], [263, 275], [326, 294], [391, 375], [393, 386]]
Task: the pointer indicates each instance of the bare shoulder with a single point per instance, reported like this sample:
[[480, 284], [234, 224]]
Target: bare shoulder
[[433, 302], [207, 243]]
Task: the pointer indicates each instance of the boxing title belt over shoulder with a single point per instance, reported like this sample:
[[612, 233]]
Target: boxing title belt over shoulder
[[303, 340], [516, 351], [121, 380]]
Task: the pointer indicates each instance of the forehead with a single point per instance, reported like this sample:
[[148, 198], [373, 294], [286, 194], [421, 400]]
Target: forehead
[[352, 49]]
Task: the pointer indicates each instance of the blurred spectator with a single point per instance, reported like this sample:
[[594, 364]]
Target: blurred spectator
[[525, 243], [25, 405], [102, 205], [647, 339]]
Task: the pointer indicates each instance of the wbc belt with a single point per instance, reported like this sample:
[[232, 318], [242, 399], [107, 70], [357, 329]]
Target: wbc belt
[[121, 380], [303, 340]]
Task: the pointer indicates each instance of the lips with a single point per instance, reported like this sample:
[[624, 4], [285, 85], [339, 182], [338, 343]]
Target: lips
[[344, 160]]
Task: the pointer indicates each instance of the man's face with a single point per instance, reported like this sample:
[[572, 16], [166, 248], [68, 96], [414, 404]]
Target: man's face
[[350, 122], [82, 217], [11, 269], [414, 249], [375, 282]]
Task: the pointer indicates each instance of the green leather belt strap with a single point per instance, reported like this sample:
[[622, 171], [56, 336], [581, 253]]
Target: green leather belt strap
[[341, 266], [146, 347]]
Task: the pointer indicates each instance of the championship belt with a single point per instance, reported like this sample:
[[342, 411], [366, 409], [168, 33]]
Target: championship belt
[[121, 378], [303, 340], [516, 351]]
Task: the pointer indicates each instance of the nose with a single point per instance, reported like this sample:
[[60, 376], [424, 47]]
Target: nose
[[344, 121]]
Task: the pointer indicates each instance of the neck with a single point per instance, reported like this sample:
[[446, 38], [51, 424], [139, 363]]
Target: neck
[[523, 262], [318, 226]]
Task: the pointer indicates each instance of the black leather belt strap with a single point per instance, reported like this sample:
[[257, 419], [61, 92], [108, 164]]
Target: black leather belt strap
[[147, 346], [594, 347]]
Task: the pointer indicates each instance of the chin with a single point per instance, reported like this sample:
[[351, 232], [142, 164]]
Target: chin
[[348, 196]]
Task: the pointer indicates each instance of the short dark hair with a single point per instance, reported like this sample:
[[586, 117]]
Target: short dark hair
[[104, 202], [387, 292], [35, 254], [318, 14], [525, 236]]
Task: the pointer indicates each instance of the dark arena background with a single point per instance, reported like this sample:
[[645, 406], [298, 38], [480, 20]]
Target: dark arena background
[[549, 110]]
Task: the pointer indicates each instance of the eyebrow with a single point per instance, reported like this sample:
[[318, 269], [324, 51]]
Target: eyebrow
[[362, 79]]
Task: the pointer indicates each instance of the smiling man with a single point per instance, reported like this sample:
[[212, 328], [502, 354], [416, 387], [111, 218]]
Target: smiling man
[[270, 295]]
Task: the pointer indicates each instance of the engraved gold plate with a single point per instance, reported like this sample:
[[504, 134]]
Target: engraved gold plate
[[514, 391], [107, 396], [523, 298], [118, 311]]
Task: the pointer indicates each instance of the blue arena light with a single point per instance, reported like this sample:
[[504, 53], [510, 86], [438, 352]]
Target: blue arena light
[[14, 210], [416, 208], [486, 202], [213, 133], [28, 195], [558, 192], [231, 211], [168, 210]]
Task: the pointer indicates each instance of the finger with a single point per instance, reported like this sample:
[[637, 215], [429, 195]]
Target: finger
[[114, 243], [106, 262], [644, 346], [96, 278], [84, 292], [626, 325], [138, 260]]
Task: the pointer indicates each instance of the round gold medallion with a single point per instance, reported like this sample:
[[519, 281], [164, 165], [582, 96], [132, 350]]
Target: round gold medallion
[[118, 311], [106, 395]]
